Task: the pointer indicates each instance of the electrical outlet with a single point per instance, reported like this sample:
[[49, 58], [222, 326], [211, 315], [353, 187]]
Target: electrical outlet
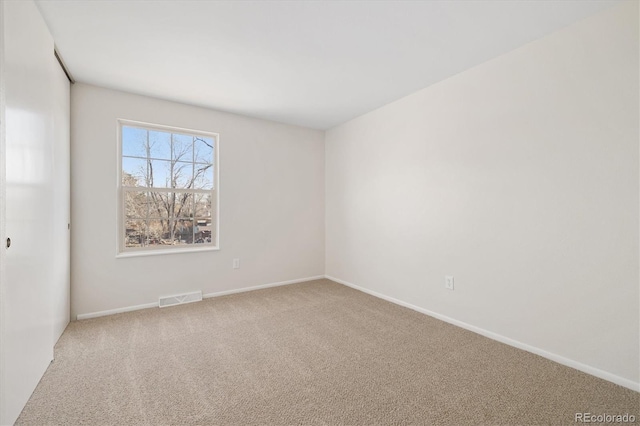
[[448, 282], [236, 263]]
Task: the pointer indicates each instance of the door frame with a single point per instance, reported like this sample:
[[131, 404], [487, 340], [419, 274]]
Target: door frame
[[3, 184]]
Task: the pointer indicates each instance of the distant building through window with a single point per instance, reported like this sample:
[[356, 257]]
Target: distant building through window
[[168, 189]]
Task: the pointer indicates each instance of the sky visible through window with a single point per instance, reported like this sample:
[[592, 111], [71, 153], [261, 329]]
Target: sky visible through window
[[170, 160]]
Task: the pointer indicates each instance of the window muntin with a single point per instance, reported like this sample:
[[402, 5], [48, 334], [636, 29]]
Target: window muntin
[[168, 189]]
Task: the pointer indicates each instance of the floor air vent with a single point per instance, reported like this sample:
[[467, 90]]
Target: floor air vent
[[179, 299]]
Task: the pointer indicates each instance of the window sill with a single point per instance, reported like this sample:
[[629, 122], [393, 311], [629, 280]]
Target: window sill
[[139, 253]]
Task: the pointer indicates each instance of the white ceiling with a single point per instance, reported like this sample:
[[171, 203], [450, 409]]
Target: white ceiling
[[314, 64]]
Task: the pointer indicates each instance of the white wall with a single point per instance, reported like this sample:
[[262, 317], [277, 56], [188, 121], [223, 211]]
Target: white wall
[[520, 178], [271, 204]]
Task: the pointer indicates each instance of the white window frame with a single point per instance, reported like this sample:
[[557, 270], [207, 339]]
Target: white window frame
[[121, 249]]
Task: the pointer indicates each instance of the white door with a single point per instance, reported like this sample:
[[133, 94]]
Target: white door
[[61, 206], [26, 290]]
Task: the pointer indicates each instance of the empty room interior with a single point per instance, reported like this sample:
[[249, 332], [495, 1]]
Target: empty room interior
[[319, 212]]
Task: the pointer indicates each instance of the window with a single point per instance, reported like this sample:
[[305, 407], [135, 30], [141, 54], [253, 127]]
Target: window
[[168, 189]]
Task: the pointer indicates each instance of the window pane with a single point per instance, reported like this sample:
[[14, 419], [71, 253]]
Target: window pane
[[159, 145], [160, 174], [203, 205], [203, 148], [213, 212], [203, 176], [134, 171], [135, 233], [135, 204], [182, 148], [183, 205], [183, 231], [182, 175], [134, 142], [204, 231], [158, 233], [159, 205]]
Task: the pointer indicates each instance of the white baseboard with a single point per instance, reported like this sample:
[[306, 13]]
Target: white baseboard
[[116, 311], [629, 384], [204, 296], [259, 287]]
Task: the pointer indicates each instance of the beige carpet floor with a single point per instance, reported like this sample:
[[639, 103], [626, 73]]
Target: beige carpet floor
[[315, 353]]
